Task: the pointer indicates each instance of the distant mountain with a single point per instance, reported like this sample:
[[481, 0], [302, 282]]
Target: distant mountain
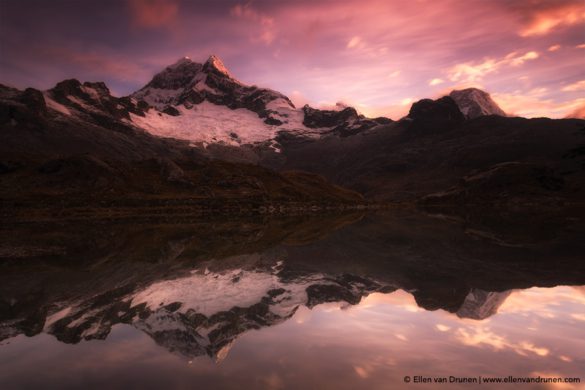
[[474, 102], [438, 157]]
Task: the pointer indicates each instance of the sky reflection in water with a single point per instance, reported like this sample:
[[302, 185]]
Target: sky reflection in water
[[538, 331]]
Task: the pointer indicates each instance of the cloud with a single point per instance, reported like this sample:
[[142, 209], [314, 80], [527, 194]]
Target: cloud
[[436, 81], [98, 63], [554, 48], [153, 13], [478, 337], [361, 372], [443, 328], [515, 60], [562, 14], [578, 112], [533, 104], [470, 72], [372, 52], [574, 87], [354, 42], [578, 316]]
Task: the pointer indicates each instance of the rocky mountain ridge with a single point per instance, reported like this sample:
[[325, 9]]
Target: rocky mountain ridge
[[212, 106], [192, 111], [474, 103]]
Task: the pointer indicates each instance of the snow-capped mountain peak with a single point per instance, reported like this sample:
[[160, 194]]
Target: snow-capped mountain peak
[[474, 102], [180, 62], [175, 76], [214, 63], [205, 104]]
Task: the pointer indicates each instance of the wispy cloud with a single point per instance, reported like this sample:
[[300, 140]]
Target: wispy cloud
[[554, 15], [372, 53], [533, 104], [354, 42], [578, 112], [577, 86], [483, 336], [475, 71]]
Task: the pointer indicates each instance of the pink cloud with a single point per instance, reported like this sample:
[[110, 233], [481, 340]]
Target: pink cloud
[[578, 112], [472, 72], [575, 87], [372, 54], [153, 13], [534, 104], [554, 15]]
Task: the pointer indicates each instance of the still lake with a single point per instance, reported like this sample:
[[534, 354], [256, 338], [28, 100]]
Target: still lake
[[346, 301]]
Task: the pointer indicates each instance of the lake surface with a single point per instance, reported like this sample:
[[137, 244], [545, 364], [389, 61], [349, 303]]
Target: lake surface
[[329, 302]]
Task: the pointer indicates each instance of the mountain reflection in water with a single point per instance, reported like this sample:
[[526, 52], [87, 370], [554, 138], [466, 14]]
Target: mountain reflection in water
[[342, 301]]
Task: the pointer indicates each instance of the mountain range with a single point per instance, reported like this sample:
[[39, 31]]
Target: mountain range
[[195, 130]]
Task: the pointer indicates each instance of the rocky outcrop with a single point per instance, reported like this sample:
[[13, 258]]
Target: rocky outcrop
[[434, 116], [28, 106], [441, 110], [94, 100], [474, 103], [479, 304], [344, 122]]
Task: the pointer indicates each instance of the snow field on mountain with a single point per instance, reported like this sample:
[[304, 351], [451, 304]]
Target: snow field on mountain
[[209, 123]]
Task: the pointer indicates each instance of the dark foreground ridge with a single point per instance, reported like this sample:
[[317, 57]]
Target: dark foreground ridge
[[84, 186]]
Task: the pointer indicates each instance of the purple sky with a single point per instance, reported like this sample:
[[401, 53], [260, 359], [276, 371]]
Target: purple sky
[[378, 55]]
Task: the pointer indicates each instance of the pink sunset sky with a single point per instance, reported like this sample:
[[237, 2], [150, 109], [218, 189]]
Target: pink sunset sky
[[377, 55]]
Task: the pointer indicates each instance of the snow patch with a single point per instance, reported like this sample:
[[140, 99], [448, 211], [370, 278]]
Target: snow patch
[[207, 122], [81, 103], [53, 105]]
